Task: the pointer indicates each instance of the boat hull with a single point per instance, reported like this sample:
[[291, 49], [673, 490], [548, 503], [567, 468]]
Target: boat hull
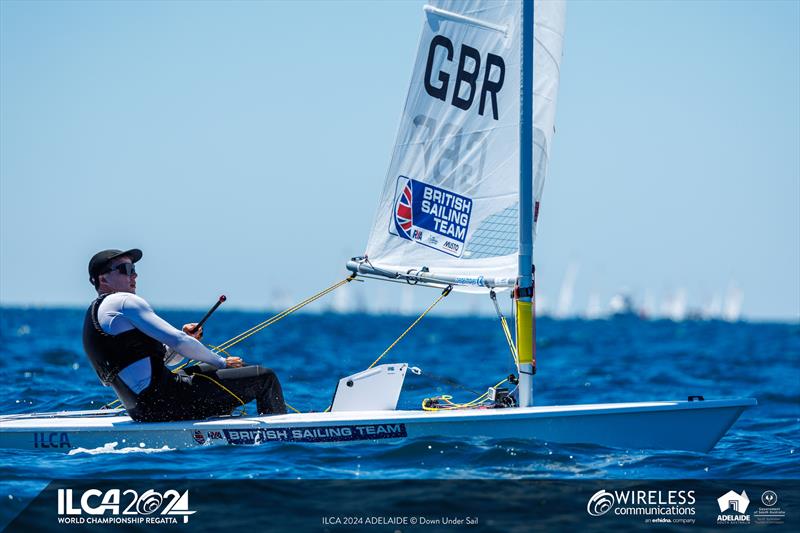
[[692, 426]]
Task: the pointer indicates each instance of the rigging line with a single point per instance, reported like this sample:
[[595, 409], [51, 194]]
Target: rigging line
[[223, 387], [195, 362], [477, 403], [110, 404], [439, 299], [283, 314], [258, 327], [175, 370], [506, 330], [255, 329]]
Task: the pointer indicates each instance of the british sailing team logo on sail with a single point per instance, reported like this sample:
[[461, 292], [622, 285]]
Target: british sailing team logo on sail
[[430, 216]]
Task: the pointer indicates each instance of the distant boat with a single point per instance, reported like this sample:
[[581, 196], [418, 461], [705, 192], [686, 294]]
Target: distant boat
[[621, 305], [713, 310], [734, 298], [593, 307], [564, 308], [675, 306]]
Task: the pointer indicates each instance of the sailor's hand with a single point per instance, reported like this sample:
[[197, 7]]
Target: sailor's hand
[[187, 328], [233, 362]]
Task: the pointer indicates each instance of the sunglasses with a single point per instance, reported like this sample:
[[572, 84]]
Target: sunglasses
[[126, 269]]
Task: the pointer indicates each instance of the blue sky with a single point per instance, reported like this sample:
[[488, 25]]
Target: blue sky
[[243, 147]]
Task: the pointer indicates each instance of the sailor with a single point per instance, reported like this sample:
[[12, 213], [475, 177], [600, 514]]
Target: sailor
[[129, 347]]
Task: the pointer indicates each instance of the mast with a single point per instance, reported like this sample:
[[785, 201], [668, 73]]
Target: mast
[[524, 292]]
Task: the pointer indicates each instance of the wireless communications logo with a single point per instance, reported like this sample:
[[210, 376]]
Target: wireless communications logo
[[115, 506], [655, 506]]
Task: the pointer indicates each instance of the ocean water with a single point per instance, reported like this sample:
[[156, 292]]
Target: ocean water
[[619, 360]]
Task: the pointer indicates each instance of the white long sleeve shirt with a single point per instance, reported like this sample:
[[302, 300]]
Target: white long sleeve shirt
[[123, 311]]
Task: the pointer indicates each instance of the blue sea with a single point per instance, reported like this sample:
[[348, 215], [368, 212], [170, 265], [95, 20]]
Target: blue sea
[[617, 360]]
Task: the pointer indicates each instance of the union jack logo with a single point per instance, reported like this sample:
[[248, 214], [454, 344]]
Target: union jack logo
[[403, 219]]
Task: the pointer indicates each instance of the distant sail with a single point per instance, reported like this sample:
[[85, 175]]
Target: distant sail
[[564, 308], [451, 196]]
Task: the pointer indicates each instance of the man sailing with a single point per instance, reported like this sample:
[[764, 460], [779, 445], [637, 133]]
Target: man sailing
[[129, 347]]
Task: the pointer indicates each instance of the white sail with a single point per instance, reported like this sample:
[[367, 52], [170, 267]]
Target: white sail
[[451, 197]]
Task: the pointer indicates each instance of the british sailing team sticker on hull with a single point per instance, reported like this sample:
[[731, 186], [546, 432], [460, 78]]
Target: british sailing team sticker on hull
[[316, 434], [430, 216]]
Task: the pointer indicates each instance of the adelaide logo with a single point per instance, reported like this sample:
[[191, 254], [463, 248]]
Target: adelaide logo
[[733, 508]]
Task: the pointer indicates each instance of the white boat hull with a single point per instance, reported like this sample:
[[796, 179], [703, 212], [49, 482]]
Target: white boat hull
[[678, 425]]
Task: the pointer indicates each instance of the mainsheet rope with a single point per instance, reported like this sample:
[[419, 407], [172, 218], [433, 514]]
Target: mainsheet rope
[[283, 314], [263, 325]]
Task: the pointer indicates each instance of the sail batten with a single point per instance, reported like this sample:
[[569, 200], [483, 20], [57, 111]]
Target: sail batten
[[450, 202], [465, 19]]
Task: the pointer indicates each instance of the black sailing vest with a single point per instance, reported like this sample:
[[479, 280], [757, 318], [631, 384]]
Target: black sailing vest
[[110, 354]]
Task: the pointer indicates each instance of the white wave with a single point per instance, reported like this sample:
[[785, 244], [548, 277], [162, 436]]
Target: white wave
[[111, 447]]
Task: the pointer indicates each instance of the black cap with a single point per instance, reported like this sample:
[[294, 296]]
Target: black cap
[[99, 262]]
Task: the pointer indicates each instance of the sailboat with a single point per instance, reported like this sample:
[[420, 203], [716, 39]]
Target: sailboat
[[458, 211]]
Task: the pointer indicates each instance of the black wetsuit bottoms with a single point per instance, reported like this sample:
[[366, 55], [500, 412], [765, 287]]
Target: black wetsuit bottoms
[[189, 394]]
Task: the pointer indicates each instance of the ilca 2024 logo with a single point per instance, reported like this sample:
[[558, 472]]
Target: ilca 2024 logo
[[115, 506]]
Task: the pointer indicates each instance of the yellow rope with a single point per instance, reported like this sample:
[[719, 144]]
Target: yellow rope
[[109, 404], [509, 340], [223, 387], [219, 349], [232, 394], [439, 299], [175, 370], [504, 325], [258, 327], [255, 329], [477, 402], [188, 361]]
